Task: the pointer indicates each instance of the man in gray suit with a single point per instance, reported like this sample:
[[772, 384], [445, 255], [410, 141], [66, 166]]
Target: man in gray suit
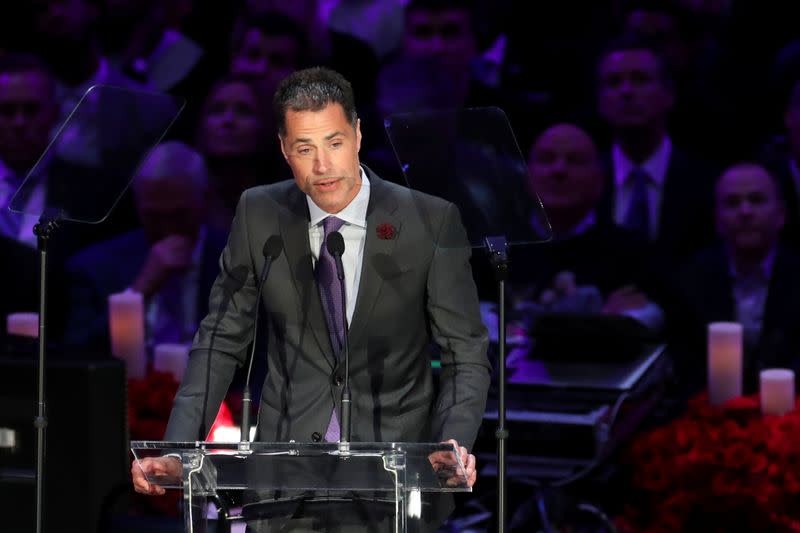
[[407, 281]]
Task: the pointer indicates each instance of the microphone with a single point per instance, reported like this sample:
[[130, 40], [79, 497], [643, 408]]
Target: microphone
[[272, 249], [335, 244]]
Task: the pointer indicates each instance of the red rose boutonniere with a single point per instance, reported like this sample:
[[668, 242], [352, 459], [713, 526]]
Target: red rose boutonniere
[[386, 231]]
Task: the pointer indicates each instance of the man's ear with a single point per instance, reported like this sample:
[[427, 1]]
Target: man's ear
[[358, 135]]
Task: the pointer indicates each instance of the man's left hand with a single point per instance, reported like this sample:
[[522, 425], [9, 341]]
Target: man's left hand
[[468, 460]]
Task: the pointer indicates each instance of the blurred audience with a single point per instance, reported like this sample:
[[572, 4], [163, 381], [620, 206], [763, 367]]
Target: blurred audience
[[656, 188], [268, 48], [782, 157], [443, 31], [586, 251], [144, 39], [700, 116], [67, 40], [749, 277], [232, 136], [28, 112], [307, 13], [172, 260]]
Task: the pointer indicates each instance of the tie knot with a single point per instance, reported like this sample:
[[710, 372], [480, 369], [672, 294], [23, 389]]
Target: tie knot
[[331, 224]]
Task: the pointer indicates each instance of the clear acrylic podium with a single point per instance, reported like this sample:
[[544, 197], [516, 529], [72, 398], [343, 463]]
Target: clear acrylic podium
[[392, 480]]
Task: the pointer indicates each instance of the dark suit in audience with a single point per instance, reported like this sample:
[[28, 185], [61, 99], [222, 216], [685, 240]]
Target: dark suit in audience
[[749, 278], [565, 171], [684, 224], [706, 289], [111, 267], [654, 187], [172, 261], [18, 272]]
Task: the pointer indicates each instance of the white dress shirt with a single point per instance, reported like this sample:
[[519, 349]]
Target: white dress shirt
[[655, 166], [354, 233], [188, 283]]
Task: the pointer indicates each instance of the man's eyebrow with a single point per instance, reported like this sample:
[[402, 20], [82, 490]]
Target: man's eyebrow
[[301, 140], [328, 137]]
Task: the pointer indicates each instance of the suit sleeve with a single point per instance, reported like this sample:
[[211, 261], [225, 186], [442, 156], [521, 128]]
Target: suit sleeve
[[457, 328], [221, 341]]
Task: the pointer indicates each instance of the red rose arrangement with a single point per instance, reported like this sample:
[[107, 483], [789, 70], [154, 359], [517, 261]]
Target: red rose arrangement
[[724, 468], [386, 231], [149, 405]]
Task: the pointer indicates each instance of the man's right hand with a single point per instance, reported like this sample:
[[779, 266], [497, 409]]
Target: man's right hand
[[154, 466], [168, 256]]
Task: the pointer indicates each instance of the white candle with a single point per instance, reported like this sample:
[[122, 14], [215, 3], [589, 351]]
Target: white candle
[[724, 361], [171, 358], [126, 323], [777, 391], [23, 324]]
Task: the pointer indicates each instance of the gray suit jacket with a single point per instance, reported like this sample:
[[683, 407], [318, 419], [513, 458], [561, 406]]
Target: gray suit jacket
[[415, 288]]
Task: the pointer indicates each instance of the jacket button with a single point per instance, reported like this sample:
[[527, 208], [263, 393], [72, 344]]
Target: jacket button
[[316, 436]]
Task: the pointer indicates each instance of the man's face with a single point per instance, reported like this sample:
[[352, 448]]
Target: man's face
[[321, 148], [232, 124], [170, 207], [564, 170], [748, 210], [632, 89], [265, 58], [445, 36], [27, 114]]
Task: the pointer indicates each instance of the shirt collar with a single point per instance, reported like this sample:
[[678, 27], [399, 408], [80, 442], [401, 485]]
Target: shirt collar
[[655, 166], [578, 229], [765, 269], [355, 213]]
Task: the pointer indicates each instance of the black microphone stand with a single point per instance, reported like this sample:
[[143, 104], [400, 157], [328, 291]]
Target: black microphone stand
[[47, 224], [497, 247], [272, 248], [335, 245], [344, 437]]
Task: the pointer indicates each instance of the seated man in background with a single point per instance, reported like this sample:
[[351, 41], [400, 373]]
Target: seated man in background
[[749, 277], [172, 260], [591, 265]]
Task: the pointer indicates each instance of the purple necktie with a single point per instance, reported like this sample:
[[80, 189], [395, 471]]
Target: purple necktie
[[638, 216], [330, 292]]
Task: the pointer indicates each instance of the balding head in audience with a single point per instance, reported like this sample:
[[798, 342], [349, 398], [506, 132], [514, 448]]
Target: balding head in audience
[[566, 174], [171, 191], [749, 211]]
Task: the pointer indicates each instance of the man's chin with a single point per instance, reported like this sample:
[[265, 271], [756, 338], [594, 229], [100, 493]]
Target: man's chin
[[751, 242], [326, 203]]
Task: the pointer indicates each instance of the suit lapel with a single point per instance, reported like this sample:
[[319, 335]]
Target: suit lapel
[[294, 230], [780, 297], [719, 284], [382, 209]]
